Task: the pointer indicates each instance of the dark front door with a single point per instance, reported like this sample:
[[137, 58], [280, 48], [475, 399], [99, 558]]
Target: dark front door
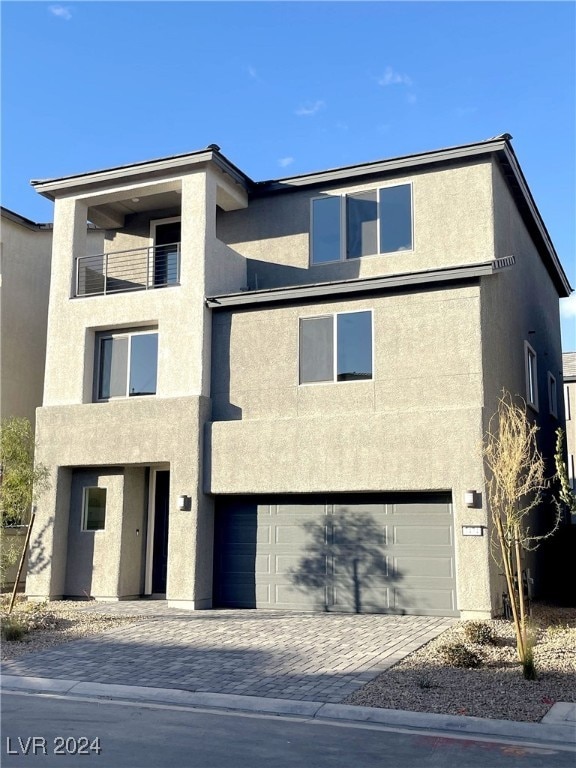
[[160, 547], [166, 246]]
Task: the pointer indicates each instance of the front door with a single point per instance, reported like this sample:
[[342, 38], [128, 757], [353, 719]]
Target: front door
[[166, 241], [160, 539]]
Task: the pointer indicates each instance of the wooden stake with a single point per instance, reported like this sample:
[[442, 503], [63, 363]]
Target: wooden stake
[[21, 565]]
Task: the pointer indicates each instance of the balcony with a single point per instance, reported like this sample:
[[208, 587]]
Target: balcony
[[138, 269]]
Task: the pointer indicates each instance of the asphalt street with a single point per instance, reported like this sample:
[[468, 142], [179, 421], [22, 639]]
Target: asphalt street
[[48, 730]]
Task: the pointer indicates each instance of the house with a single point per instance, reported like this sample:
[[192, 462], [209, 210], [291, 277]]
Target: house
[[569, 370], [25, 256], [273, 394]]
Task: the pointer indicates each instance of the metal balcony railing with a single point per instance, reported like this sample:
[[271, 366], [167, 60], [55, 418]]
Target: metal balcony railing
[[137, 269]]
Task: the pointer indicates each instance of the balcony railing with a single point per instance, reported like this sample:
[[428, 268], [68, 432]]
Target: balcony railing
[[138, 269]]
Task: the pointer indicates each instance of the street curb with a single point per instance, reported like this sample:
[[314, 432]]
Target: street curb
[[469, 726]]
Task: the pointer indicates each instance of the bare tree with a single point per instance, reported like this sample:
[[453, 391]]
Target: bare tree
[[515, 480]]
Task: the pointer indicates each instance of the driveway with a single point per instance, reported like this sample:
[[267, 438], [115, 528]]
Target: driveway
[[304, 656]]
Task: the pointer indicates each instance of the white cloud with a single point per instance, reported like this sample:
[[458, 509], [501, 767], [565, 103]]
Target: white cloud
[[61, 12], [283, 162], [391, 77], [310, 108], [568, 306]]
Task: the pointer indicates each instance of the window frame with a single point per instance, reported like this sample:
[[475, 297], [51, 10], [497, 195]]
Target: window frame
[[567, 403], [343, 196], [552, 395], [119, 333], [531, 375], [84, 518], [334, 316]]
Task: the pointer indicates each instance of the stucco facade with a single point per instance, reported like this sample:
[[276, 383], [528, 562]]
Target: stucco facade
[[25, 260], [229, 416]]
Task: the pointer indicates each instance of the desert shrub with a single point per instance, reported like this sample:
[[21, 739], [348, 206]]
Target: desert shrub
[[479, 633], [12, 630], [459, 655]]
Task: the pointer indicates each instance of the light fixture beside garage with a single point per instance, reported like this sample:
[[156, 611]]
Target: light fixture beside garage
[[184, 503], [470, 498]]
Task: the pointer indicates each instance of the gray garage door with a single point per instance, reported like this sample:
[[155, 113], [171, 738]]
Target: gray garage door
[[364, 554]]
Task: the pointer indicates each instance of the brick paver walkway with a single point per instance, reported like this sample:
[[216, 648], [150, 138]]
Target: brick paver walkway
[[314, 657]]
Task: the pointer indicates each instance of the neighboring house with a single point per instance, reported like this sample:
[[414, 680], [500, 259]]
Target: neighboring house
[[25, 257], [24, 290], [569, 370], [274, 394]]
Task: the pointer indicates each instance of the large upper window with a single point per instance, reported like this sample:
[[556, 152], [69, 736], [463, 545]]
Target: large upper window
[[126, 364], [336, 347], [361, 224]]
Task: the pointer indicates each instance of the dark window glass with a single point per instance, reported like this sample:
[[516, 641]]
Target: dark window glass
[[325, 230], [361, 224], [354, 343], [143, 364], [94, 509], [316, 349], [395, 219]]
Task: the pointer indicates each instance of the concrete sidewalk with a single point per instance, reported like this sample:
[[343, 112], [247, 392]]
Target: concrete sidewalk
[[561, 733]]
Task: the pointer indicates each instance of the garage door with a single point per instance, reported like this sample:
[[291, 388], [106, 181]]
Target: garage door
[[362, 554]]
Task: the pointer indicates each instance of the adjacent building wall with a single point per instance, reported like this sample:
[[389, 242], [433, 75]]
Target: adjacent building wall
[[521, 304]]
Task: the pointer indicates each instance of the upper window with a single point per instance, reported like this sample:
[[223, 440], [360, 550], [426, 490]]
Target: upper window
[[552, 396], [127, 364], [531, 371], [336, 347], [94, 509], [361, 224], [567, 403]]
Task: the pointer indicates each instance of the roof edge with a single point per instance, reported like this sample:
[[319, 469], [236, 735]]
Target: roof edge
[[357, 285], [48, 187]]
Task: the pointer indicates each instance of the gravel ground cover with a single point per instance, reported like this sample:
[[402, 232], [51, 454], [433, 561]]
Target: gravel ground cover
[[58, 622], [422, 682], [496, 689]]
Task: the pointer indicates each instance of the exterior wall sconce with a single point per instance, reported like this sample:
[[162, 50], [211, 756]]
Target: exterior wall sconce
[[184, 503], [470, 498]]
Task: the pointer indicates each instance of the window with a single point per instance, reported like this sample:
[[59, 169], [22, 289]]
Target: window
[[531, 371], [361, 224], [567, 402], [336, 347], [94, 509], [126, 364], [552, 396]]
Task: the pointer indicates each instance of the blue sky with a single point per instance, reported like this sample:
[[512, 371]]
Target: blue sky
[[286, 88]]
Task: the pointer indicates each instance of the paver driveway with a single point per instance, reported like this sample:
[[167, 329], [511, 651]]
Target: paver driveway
[[314, 657]]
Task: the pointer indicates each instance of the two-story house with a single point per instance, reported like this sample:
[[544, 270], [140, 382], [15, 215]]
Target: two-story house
[[273, 394]]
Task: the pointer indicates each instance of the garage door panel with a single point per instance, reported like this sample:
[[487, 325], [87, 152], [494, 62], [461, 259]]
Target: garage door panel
[[346, 554], [428, 602], [425, 536], [424, 567], [293, 534], [367, 600]]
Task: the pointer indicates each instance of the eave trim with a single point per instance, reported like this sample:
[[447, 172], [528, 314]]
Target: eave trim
[[360, 285]]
